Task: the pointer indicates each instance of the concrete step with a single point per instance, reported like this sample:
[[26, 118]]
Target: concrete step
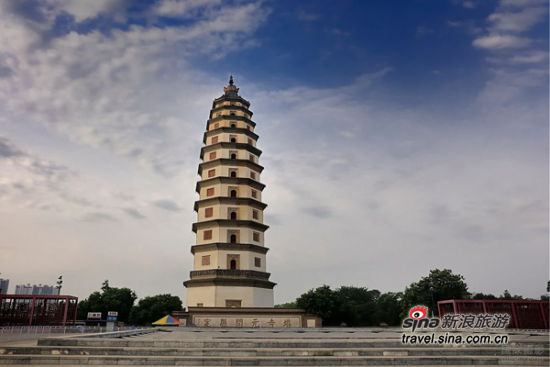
[[239, 343], [273, 352], [211, 348], [158, 365], [272, 361]]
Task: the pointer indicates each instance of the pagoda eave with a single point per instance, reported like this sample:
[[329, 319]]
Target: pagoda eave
[[229, 282], [236, 130], [229, 145], [230, 117], [229, 200], [232, 108], [229, 246], [230, 162], [230, 180], [231, 99], [230, 223], [229, 273]]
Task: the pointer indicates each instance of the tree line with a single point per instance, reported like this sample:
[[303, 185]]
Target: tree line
[[346, 305], [360, 306], [147, 310]]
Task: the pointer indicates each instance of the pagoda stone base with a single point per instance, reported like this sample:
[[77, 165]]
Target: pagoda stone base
[[220, 291], [247, 317]]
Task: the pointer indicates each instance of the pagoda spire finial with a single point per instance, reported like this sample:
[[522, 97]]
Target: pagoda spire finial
[[231, 89]]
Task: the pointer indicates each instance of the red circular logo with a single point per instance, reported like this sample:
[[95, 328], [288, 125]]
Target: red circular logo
[[418, 312]]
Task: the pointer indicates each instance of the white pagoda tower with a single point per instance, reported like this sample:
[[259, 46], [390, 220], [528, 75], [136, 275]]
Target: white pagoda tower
[[229, 268]]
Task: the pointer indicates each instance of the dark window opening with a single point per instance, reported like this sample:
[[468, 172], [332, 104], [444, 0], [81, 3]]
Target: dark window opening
[[233, 125], [233, 239], [233, 140], [233, 156], [233, 193], [233, 265], [233, 216], [233, 174]]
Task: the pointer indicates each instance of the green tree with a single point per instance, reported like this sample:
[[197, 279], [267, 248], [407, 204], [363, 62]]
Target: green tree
[[357, 306], [287, 305], [150, 309], [91, 304], [507, 295], [389, 308], [109, 299], [323, 302], [483, 296], [439, 285]]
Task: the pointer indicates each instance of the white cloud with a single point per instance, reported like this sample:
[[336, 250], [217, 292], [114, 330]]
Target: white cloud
[[338, 160], [183, 9], [499, 42], [125, 105], [530, 58], [522, 3], [82, 10], [518, 21], [510, 84], [90, 86], [508, 20], [403, 182], [35, 182], [511, 53]]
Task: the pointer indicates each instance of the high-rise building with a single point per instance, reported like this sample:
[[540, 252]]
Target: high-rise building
[[4, 285], [45, 290], [230, 267], [39, 289], [23, 289]]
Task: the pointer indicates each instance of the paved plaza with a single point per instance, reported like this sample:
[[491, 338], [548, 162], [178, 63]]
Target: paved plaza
[[267, 347]]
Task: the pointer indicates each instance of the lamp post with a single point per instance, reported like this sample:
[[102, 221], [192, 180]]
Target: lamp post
[[59, 284]]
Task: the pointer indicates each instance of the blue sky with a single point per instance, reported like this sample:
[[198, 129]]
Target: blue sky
[[398, 136]]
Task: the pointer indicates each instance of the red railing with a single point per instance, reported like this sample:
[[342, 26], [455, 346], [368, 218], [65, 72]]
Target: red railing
[[20, 309], [525, 314]]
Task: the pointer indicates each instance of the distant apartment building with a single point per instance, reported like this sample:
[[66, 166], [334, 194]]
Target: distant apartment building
[[39, 289], [4, 284], [23, 289]]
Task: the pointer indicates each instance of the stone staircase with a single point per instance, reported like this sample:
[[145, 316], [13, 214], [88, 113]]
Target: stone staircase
[[305, 349]]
